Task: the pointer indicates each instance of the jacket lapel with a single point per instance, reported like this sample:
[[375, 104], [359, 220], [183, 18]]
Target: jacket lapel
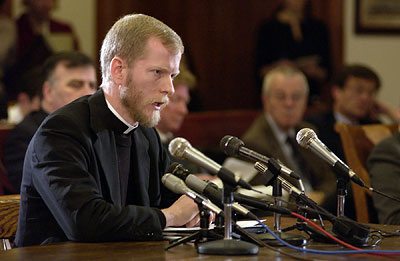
[[106, 154], [105, 146]]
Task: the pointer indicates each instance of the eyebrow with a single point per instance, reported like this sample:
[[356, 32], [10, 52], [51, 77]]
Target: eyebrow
[[81, 82]]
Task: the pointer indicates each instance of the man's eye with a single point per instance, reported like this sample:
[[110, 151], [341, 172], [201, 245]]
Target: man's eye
[[76, 84]]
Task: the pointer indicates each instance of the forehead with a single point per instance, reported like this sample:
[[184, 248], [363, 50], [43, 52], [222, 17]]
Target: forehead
[[288, 84], [364, 83], [68, 72], [156, 51]]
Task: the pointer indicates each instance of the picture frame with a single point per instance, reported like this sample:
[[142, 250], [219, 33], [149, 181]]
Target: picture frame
[[377, 17]]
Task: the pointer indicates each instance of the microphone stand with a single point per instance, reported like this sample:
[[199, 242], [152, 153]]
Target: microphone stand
[[341, 188], [273, 168], [203, 235], [227, 246]]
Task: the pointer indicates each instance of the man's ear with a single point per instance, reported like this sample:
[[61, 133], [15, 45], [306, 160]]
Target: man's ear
[[335, 91], [46, 89], [117, 68]]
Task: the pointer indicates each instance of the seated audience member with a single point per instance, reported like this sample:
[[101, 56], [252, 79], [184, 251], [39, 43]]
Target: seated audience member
[[354, 91], [173, 115], [384, 169], [28, 98], [273, 134], [93, 169], [67, 76]]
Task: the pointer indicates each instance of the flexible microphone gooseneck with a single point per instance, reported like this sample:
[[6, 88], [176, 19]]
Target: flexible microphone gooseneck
[[176, 185], [211, 191], [233, 146]]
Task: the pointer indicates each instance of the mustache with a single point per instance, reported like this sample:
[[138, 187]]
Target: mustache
[[163, 101]]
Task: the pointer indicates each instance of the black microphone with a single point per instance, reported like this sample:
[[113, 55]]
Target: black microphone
[[176, 185], [233, 146], [308, 139], [211, 191], [181, 148]]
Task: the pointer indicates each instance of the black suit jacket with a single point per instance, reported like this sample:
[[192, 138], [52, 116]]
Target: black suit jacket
[[325, 124], [70, 188], [17, 143]]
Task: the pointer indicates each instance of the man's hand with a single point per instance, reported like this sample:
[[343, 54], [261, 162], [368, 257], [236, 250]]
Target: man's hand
[[183, 212]]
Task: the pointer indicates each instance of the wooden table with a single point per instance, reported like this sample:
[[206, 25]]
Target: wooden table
[[155, 251]]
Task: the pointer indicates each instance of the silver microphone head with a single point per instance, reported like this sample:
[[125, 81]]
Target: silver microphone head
[[178, 146], [305, 136], [173, 183]]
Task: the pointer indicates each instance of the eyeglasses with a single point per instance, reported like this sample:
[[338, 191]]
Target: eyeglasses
[[296, 97]]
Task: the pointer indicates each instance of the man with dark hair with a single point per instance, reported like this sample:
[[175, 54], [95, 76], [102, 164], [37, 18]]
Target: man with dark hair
[[354, 91], [67, 76], [28, 97], [93, 169]]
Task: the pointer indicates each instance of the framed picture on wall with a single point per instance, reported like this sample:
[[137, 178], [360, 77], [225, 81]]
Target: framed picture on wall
[[377, 16]]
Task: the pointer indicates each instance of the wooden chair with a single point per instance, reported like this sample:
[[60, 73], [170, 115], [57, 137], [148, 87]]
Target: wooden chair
[[357, 142], [5, 184], [9, 208]]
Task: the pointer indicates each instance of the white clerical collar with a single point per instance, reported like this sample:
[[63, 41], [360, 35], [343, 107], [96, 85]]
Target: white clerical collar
[[130, 126]]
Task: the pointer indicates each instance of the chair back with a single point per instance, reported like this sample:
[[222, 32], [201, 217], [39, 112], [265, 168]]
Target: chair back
[[5, 184], [358, 142], [9, 209]]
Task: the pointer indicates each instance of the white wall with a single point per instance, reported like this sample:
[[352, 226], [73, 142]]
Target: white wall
[[381, 52], [81, 14]]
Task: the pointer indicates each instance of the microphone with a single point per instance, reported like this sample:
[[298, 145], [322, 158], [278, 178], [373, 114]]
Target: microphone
[[181, 148], [211, 191], [307, 138], [176, 185], [233, 146]]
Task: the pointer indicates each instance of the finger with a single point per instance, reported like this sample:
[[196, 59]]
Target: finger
[[194, 221]]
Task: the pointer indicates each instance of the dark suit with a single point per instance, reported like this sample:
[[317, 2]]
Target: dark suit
[[384, 169], [71, 188], [260, 137], [16, 144], [325, 124]]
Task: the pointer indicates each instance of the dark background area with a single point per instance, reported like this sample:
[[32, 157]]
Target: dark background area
[[220, 39]]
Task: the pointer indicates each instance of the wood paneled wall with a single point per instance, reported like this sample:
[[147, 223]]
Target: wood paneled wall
[[220, 38]]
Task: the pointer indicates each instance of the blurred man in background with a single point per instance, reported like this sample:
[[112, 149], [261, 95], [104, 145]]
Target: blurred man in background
[[67, 76]]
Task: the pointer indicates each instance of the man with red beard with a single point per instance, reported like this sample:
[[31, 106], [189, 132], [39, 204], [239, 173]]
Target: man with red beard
[[93, 169]]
